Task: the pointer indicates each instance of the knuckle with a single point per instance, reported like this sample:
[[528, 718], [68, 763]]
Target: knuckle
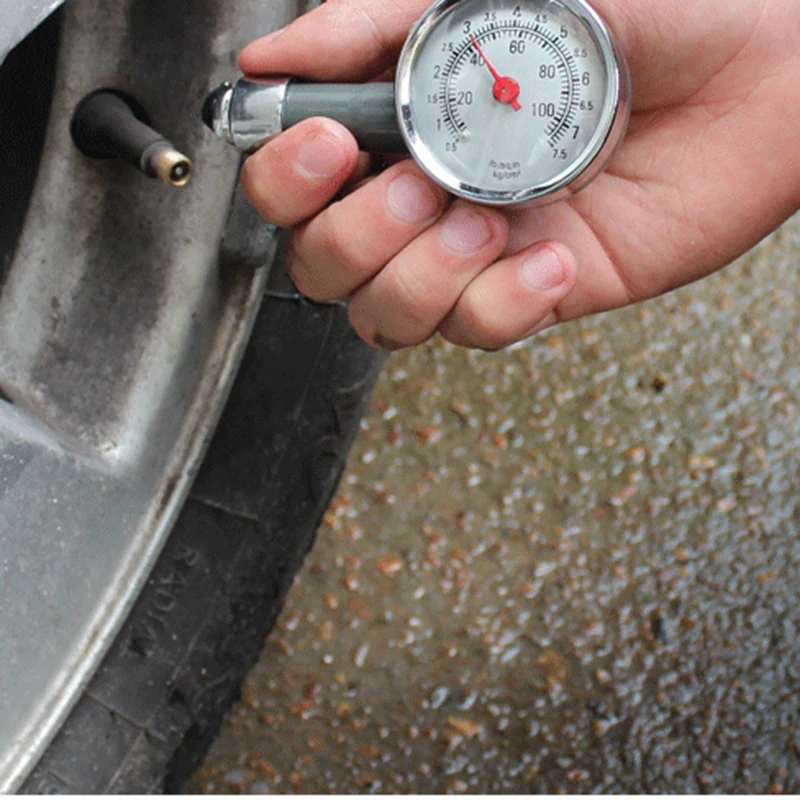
[[260, 197], [414, 306], [484, 332], [301, 274], [340, 244], [337, 240], [358, 322], [304, 281], [297, 270], [301, 281]]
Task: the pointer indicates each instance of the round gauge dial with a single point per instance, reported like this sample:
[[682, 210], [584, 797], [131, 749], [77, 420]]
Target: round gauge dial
[[512, 101]]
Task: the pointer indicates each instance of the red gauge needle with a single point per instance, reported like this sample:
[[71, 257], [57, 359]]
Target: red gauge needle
[[506, 90]]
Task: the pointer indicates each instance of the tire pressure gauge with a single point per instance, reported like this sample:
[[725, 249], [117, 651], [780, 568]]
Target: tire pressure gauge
[[502, 102]]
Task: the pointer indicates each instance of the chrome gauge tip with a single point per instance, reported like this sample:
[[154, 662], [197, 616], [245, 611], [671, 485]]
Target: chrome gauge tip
[[248, 113], [212, 108]]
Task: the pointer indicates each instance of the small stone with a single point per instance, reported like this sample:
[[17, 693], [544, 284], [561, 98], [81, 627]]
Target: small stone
[[289, 622], [660, 382], [361, 608], [361, 656], [344, 709], [590, 336], [331, 601], [301, 709], [465, 727], [257, 762], [637, 454], [311, 690], [601, 726], [250, 695], [439, 696], [702, 463], [658, 629], [282, 646], [315, 742], [462, 411], [431, 534], [429, 434], [235, 776], [383, 496], [463, 577], [554, 668], [370, 751], [368, 781], [389, 565], [577, 775], [350, 582], [622, 497], [354, 532], [452, 737], [352, 561], [331, 519]]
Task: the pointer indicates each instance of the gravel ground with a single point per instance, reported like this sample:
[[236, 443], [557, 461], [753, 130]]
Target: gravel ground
[[571, 566]]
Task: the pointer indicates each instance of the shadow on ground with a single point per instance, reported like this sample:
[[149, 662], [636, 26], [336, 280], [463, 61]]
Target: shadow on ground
[[571, 566]]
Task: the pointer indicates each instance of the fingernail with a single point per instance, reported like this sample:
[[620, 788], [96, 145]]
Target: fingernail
[[258, 43], [542, 270], [322, 156], [271, 36], [410, 199], [465, 230]]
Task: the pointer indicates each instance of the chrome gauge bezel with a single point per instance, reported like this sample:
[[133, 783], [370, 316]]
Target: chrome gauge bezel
[[612, 127]]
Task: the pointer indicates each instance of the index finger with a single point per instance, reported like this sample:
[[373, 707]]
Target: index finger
[[341, 40]]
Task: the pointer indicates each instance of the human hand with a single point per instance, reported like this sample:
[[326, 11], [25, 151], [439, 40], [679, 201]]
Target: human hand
[[711, 165]]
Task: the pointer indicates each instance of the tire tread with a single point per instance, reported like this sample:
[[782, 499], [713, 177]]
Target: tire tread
[[158, 700]]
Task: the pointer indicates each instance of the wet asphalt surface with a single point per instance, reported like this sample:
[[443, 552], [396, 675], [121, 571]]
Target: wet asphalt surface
[[571, 566]]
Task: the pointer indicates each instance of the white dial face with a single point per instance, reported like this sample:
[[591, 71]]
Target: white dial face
[[509, 96]]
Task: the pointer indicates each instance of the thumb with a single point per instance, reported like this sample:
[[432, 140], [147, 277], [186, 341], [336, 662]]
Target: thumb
[[342, 40]]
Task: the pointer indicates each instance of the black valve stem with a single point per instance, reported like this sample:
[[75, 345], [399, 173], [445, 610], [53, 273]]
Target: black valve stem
[[108, 123]]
